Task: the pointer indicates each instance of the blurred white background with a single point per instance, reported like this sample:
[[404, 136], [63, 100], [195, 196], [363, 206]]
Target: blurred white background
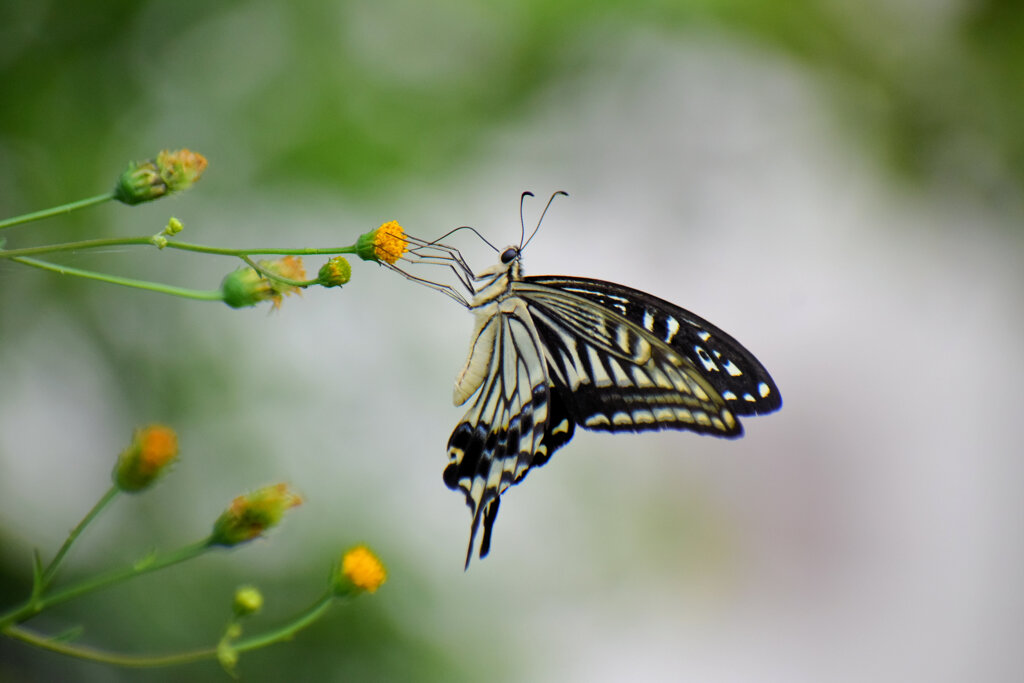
[[870, 530]]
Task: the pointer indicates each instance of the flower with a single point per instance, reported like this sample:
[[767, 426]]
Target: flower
[[251, 514], [153, 448], [360, 570], [387, 243], [248, 287], [151, 179], [335, 272]]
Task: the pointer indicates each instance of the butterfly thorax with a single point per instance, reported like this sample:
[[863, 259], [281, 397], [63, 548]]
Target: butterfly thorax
[[496, 282], [493, 300]]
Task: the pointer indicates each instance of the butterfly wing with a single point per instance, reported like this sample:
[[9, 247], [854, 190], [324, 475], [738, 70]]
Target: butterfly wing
[[557, 352], [511, 424], [623, 360]]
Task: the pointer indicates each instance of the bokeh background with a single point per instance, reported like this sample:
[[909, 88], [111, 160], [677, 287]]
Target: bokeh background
[[835, 182]]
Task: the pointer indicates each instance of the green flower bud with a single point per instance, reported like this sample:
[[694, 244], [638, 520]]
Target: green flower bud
[[248, 600], [145, 181], [251, 514], [335, 272]]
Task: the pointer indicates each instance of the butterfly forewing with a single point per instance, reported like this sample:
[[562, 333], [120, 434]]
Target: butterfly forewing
[[614, 376], [732, 371]]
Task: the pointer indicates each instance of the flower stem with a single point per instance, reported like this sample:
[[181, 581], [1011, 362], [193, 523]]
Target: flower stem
[[278, 278], [144, 566], [184, 246], [51, 569], [56, 211], [287, 631], [76, 246], [199, 294], [104, 657], [351, 249]]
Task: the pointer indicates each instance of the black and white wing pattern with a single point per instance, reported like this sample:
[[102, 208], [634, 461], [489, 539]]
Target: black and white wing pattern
[[631, 361], [550, 353]]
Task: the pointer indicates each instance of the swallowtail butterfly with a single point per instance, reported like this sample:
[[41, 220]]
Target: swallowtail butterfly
[[549, 354]]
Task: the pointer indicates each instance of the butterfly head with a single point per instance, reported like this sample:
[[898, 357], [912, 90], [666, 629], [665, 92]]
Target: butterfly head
[[508, 265], [509, 255]]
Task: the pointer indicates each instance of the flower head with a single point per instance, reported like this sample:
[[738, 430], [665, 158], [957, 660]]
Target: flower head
[[151, 179], [152, 450], [251, 514], [385, 244], [335, 272], [360, 570], [247, 287]]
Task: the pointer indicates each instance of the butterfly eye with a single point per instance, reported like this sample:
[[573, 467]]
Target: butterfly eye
[[509, 254]]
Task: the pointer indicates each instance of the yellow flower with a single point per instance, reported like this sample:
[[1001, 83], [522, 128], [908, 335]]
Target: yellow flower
[[251, 514], [385, 244], [360, 570], [152, 449]]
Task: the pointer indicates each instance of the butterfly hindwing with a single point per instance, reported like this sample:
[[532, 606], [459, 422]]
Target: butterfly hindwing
[[504, 432]]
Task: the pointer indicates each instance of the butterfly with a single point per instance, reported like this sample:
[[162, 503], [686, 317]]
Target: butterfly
[[550, 353]]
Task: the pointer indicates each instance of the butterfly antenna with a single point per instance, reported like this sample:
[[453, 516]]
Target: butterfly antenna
[[522, 223], [541, 219]]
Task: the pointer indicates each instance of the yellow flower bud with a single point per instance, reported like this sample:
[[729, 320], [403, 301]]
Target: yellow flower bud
[[151, 451]]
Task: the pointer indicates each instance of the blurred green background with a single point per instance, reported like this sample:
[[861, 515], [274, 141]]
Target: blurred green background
[[837, 183]]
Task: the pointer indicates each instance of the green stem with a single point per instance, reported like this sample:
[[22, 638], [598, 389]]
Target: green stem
[[144, 566], [104, 657], [351, 249], [301, 621], [184, 246], [76, 246], [278, 278], [56, 211], [51, 569], [199, 294], [285, 632]]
